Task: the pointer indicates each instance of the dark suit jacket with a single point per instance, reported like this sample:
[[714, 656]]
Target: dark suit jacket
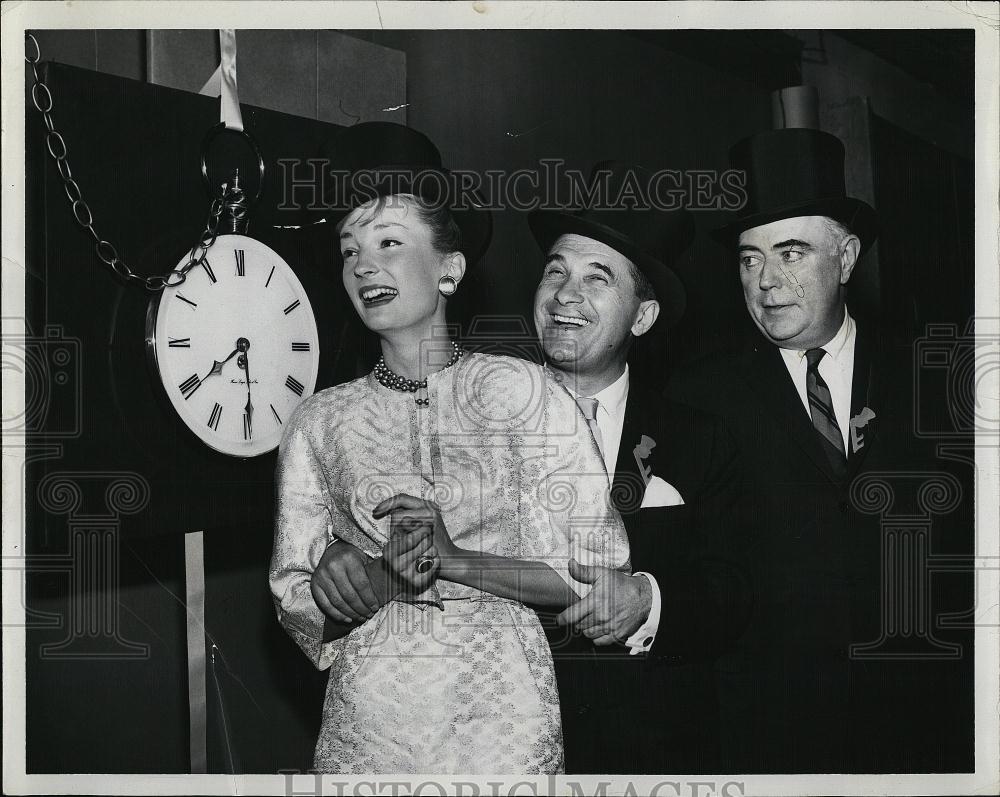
[[655, 712], [829, 573]]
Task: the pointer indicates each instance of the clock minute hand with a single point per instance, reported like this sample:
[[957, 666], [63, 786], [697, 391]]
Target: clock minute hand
[[244, 360], [248, 409]]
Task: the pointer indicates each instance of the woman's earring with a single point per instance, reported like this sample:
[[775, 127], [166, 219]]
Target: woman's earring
[[447, 286]]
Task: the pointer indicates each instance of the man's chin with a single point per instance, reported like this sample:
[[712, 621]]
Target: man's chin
[[780, 333], [784, 342], [560, 351]]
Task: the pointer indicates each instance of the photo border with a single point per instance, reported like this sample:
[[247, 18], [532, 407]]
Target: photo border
[[984, 18]]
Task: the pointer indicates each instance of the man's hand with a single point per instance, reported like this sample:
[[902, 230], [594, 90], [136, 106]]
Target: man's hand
[[614, 609], [340, 585]]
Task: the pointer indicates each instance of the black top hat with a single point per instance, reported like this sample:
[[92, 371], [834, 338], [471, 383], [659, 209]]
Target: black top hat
[[796, 172], [374, 159], [627, 215]]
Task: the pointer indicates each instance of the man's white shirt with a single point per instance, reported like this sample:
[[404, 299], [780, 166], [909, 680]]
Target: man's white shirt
[[610, 420], [836, 368]]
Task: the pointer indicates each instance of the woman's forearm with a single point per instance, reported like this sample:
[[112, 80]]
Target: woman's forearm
[[521, 580]]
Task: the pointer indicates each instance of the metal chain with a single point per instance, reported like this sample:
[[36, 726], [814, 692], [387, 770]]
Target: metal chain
[[105, 250]]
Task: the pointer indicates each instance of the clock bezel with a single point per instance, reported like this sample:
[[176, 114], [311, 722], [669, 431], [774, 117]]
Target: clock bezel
[[152, 315]]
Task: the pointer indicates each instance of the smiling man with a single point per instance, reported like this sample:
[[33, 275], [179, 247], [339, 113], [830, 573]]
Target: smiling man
[[839, 669], [633, 657], [591, 303]]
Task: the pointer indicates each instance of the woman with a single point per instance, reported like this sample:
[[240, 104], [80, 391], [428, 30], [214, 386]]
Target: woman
[[484, 459]]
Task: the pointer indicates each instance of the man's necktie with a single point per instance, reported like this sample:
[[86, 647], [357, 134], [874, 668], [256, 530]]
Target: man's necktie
[[823, 417], [588, 406]]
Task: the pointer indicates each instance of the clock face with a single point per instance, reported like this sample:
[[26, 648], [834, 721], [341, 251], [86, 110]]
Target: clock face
[[243, 311]]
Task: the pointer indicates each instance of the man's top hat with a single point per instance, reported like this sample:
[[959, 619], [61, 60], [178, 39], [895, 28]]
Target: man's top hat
[[374, 159], [627, 215], [796, 172]]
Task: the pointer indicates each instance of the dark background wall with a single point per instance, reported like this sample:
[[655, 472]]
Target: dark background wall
[[490, 100]]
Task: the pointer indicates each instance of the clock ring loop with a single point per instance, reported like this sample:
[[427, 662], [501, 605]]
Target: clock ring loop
[[211, 135]]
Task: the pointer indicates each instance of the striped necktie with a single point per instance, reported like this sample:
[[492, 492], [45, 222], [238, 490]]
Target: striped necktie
[[823, 417], [588, 406]]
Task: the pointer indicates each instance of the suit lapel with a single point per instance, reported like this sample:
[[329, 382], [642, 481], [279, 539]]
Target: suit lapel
[[766, 373], [627, 478]]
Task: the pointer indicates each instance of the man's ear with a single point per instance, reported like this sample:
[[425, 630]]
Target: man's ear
[[850, 250], [453, 266], [645, 317]]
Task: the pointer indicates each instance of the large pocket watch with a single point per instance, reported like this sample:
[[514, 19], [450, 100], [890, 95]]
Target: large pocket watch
[[235, 345]]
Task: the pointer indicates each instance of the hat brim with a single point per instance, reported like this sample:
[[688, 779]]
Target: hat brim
[[548, 225], [858, 216], [433, 185]]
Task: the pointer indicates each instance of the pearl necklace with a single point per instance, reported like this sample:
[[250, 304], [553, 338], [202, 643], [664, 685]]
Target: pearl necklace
[[390, 379]]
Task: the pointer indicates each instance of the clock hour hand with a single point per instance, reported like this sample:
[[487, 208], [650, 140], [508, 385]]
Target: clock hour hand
[[217, 365], [241, 345]]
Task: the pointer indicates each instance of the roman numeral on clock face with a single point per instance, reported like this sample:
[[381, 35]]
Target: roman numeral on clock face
[[185, 299], [208, 270], [179, 343], [276, 416], [189, 385], [291, 307], [300, 347], [247, 428], [269, 277], [294, 385], [240, 263], [215, 417]]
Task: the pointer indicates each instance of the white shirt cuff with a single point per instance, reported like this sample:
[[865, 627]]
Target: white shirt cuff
[[642, 640]]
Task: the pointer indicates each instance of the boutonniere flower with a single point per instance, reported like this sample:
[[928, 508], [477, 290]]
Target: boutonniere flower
[[858, 423], [642, 451]]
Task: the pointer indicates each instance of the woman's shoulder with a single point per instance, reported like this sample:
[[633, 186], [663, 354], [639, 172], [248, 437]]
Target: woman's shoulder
[[325, 406], [500, 366], [518, 390], [500, 374], [486, 357]]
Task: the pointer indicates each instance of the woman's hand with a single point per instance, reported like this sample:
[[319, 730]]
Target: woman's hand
[[419, 516], [409, 542]]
